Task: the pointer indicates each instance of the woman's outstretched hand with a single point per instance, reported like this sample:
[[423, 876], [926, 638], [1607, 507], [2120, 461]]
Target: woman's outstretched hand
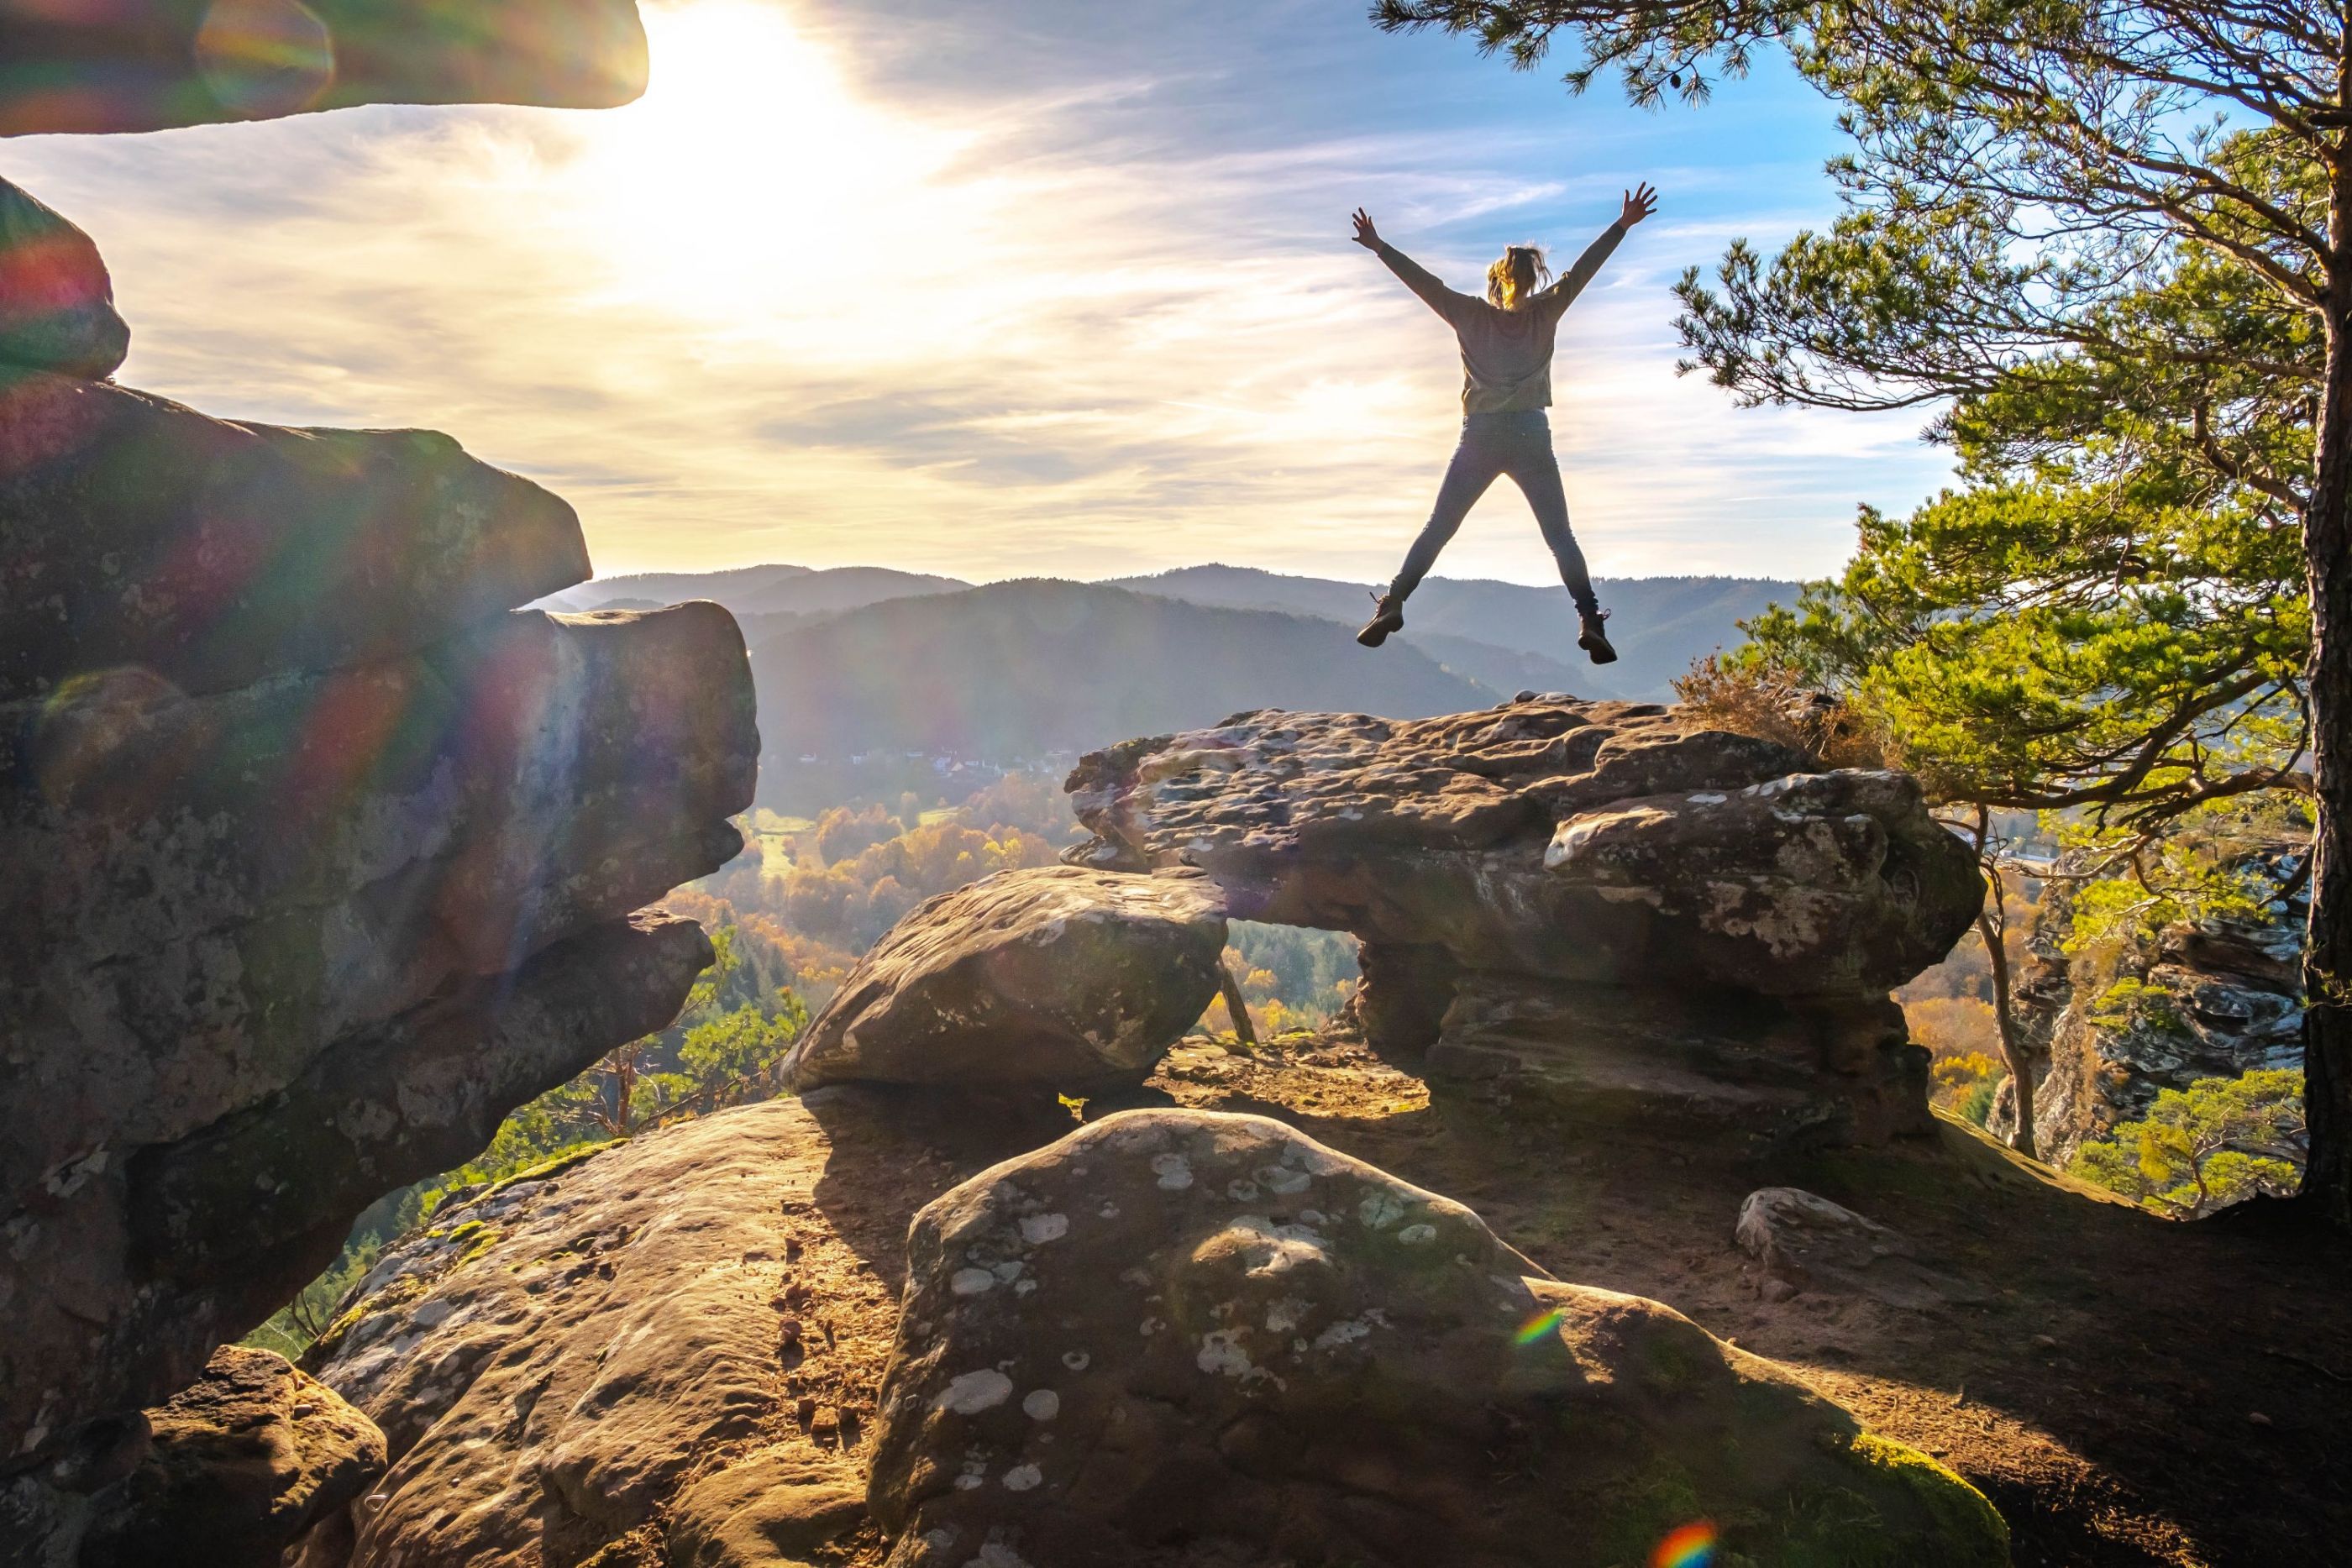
[[1366, 235], [1639, 203]]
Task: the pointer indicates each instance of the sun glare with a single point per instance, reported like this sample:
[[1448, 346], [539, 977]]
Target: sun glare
[[749, 175]]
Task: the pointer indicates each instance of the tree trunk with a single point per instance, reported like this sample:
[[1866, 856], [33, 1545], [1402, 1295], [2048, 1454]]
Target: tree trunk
[[1237, 1008], [2021, 1068], [2327, 537]]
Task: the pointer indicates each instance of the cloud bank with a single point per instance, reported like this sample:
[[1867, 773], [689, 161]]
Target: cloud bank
[[1057, 297]]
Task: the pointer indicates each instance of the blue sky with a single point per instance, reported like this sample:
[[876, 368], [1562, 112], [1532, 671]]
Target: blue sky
[[1037, 286]]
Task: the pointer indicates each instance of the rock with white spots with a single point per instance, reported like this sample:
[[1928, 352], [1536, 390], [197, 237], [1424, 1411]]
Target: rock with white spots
[[1055, 976], [1296, 1357]]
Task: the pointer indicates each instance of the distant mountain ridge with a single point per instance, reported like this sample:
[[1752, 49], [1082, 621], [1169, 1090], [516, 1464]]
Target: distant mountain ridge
[[1039, 670], [1659, 624], [874, 680], [1506, 637]]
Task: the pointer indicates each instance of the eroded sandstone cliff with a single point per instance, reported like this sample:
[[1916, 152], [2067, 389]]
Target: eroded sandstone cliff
[[322, 854]]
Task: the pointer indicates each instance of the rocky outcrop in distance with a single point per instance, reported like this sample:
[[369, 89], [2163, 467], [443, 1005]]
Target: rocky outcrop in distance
[[324, 856], [1056, 976], [148, 65], [2113, 1027], [1602, 902]]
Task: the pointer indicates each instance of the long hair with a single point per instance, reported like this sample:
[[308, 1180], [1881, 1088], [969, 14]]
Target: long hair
[[1518, 275]]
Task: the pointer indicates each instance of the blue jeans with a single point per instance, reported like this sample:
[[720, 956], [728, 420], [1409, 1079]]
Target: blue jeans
[[1493, 444]]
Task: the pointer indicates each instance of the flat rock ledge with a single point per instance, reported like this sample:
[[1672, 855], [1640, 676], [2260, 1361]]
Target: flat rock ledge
[[1602, 902], [1188, 1339]]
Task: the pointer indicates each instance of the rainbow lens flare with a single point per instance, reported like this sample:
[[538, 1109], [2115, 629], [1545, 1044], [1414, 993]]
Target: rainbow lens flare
[[1686, 1546], [1540, 1327]]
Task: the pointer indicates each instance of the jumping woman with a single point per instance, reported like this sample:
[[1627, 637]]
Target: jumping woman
[[1506, 342]]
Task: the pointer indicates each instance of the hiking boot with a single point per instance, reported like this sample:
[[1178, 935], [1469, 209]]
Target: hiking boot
[[1592, 638], [1388, 618]]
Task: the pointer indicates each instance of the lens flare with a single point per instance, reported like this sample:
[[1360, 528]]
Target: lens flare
[[1686, 1546], [1540, 1327], [264, 58]]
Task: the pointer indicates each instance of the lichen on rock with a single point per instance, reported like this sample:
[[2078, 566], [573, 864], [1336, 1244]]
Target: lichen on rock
[[1354, 1369]]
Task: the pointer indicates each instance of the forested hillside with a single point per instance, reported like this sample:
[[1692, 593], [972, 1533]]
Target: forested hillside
[[1024, 672]]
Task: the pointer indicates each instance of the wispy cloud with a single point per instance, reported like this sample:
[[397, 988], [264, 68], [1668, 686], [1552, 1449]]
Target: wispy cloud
[[820, 298]]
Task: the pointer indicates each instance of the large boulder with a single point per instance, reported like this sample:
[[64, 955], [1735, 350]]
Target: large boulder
[[1603, 905], [323, 859], [1196, 1339], [677, 1336], [146, 65], [1051, 976], [57, 302], [1592, 842]]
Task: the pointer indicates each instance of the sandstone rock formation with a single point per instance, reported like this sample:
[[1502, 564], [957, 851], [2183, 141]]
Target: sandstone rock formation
[[57, 302], [226, 1474], [626, 1343], [2215, 997], [1054, 976], [322, 858], [144, 64], [142, 540], [1190, 1338], [1727, 918]]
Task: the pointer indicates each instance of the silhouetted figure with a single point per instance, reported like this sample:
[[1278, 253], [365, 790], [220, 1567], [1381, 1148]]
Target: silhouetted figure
[[1506, 342]]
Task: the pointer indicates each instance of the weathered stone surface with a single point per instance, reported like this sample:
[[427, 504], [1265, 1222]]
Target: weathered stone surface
[[1055, 974], [223, 885], [139, 536], [1591, 902], [2217, 996], [57, 302], [1697, 1062], [1596, 841], [1805, 1242], [124, 1272], [1195, 1339], [225, 1474], [291, 945], [621, 1344], [145, 65]]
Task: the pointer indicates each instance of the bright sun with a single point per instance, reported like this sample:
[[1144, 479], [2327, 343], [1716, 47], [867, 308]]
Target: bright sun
[[749, 175]]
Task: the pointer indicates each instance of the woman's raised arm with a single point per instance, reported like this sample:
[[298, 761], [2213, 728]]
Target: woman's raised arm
[[1420, 279]]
